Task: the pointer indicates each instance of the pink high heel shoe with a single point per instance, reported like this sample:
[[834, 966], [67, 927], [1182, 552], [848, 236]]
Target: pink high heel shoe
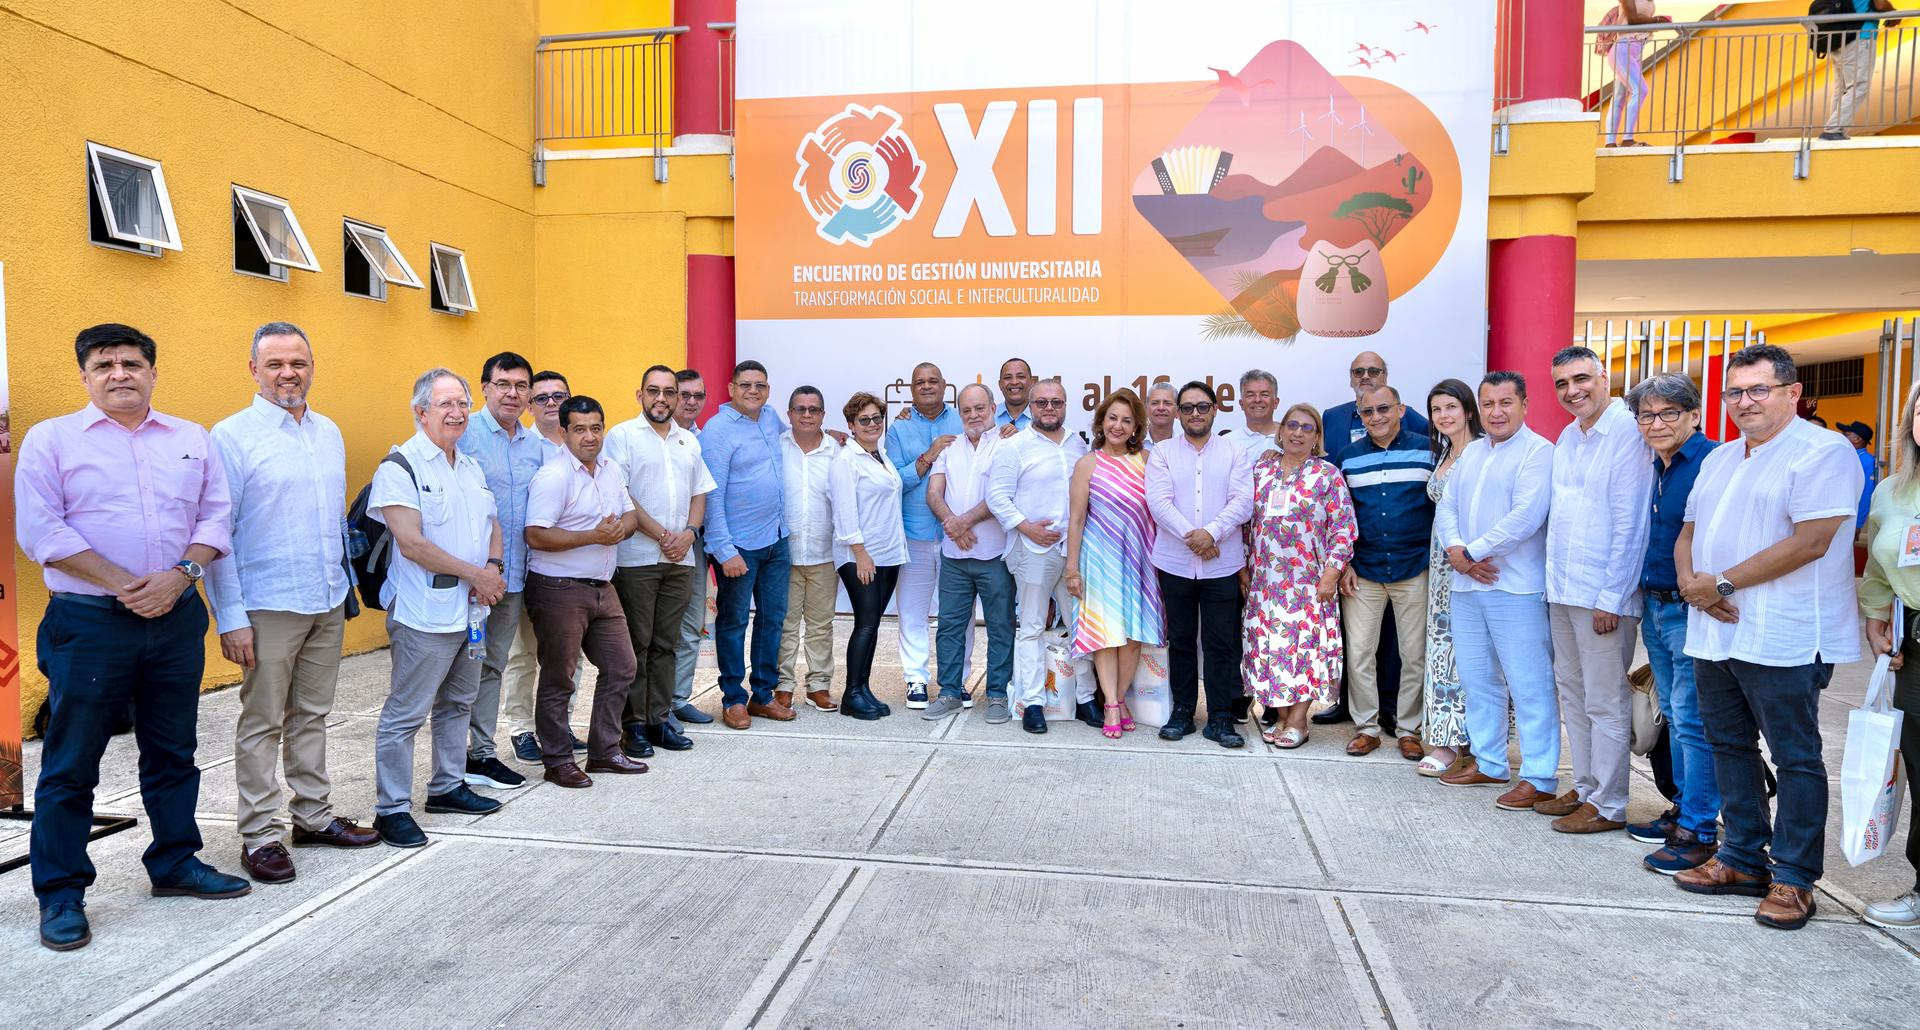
[[1126, 718], [1111, 730]]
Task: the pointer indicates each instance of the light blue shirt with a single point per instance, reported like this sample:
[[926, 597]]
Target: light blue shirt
[[1871, 29], [509, 465], [746, 506], [1026, 418], [907, 440]]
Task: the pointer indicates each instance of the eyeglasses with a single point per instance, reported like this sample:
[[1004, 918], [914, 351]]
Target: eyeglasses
[[1196, 408], [1378, 409], [661, 391], [1646, 418], [1367, 372], [1299, 427], [457, 404], [1048, 402], [807, 410], [755, 387], [689, 395], [1732, 394], [544, 399], [510, 386], [870, 420]]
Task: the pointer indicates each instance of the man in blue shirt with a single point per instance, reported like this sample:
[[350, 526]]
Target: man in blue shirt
[[1667, 408], [914, 443], [509, 454], [1016, 380], [747, 540], [1387, 472], [1860, 435]]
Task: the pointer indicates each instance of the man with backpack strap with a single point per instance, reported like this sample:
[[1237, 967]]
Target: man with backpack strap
[[1851, 55]]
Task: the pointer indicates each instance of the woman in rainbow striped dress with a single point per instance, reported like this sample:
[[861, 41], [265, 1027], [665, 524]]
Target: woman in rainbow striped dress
[[1109, 550]]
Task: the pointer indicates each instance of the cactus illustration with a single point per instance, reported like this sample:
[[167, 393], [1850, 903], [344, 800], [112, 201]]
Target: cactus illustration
[[1397, 158], [1411, 180]]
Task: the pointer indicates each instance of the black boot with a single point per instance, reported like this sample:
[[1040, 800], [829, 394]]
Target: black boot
[[1179, 724], [1089, 713], [1220, 730], [859, 703]]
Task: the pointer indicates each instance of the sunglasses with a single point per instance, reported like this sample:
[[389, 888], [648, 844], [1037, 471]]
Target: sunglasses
[[1196, 408], [870, 420]]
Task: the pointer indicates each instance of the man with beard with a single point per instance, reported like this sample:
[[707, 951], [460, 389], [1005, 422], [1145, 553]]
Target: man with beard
[[668, 480], [971, 562], [693, 627]]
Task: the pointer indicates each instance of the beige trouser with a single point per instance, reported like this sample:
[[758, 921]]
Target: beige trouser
[[1360, 619], [1852, 77], [284, 703], [519, 680], [811, 592], [1590, 675]]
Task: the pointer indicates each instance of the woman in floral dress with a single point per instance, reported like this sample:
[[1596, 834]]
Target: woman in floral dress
[[1301, 537], [1456, 423]]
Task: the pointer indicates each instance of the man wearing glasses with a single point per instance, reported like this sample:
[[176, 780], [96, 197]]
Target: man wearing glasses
[[807, 453], [1764, 563], [509, 456], [914, 443], [747, 539], [667, 477], [1027, 492], [520, 678], [693, 628]]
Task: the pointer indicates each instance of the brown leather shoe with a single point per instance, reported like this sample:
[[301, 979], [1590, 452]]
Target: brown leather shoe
[[1585, 819], [1362, 744], [822, 701], [770, 710], [1521, 798], [1469, 775], [268, 864], [340, 833], [736, 718], [1785, 907], [1565, 804], [1411, 749], [567, 774], [783, 698], [1716, 878], [619, 763]]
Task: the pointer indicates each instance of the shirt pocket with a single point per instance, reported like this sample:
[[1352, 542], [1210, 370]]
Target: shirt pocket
[[180, 481], [434, 506]]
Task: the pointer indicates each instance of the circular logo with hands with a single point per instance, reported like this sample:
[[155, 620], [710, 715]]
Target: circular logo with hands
[[859, 175]]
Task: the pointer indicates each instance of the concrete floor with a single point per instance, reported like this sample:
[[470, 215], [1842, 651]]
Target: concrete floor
[[834, 873]]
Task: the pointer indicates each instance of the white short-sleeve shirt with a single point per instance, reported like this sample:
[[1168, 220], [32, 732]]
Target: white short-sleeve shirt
[[809, 510], [1745, 502], [456, 515], [968, 466], [663, 475], [563, 496]]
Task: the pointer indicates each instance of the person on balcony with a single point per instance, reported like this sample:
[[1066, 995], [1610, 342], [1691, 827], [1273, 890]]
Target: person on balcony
[[1625, 55], [1853, 68]]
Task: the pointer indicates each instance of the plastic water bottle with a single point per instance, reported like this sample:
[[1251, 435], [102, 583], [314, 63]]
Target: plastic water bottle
[[476, 628], [356, 540]]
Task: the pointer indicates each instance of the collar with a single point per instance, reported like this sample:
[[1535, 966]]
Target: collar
[[828, 445], [419, 448], [91, 416], [945, 410], [1610, 416], [1696, 445], [274, 413], [728, 411], [1391, 445], [576, 465], [485, 417]]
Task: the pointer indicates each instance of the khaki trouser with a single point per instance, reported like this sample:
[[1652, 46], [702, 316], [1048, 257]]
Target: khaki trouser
[[1360, 618], [284, 703], [1590, 675], [1852, 77], [811, 593]]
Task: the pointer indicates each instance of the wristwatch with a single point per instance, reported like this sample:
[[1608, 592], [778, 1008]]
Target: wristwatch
[[191, 568], [1720, 583], [498, 563]]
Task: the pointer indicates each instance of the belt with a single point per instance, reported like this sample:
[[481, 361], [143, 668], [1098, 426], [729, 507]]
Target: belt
[[1666, 596], [564, 580], [111, 604]]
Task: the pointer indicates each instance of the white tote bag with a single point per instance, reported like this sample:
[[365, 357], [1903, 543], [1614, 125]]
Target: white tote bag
[[1150, 696], [1871, 787], [1065, 675]]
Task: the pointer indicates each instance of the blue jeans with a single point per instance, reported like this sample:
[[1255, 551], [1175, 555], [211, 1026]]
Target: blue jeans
[[97, 661], [762, 588], [1494, 628], [1740, 702], [1665, 632], [961, 580]]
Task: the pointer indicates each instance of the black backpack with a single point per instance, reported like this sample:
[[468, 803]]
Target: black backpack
[[370, 569], [1826, 37]]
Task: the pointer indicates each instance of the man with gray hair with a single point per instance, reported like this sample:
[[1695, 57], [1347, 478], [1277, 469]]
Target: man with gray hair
[[1163, 405], [433, 498], [280, 602], [972, 562], [1259, 396]]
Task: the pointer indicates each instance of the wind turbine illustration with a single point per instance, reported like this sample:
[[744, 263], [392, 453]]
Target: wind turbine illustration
[[1331, 113], [1305, 134], [1363, 130]]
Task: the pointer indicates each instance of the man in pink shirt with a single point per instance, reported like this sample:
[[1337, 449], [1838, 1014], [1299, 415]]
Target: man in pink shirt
[[123, 507], [1200, 491]]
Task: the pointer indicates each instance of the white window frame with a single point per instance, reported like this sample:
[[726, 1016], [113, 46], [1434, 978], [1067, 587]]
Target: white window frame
[[244, 197], [95, 151], [435, 252], [366, 237]]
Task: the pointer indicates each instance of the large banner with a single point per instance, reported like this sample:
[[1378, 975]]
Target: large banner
[[12, 791], [1118, 191]]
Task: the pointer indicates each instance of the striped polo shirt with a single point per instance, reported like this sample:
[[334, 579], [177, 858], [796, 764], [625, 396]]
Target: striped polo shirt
[[1389, 488]]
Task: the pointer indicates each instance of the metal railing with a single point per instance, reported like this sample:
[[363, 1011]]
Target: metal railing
[[1509, 69], [1646, 347], [1897, 373], [604, 85], [723, 77], [1747, 80]]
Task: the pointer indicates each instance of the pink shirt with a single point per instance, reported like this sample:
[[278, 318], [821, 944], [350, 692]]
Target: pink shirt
[[1210, 489], [138, 498]]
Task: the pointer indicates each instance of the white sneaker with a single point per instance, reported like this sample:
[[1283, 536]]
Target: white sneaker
[[1901, 913]]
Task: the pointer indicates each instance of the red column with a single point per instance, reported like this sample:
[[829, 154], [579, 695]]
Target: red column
[[710, 323], [1530, 280], [696, 67], [697, 121]]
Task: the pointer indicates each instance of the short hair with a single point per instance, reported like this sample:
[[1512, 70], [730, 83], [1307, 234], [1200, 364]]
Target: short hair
[[1167, 385], [1319, 427], [1671, 387], [423, 386], [805, 391], [1759, 353], [931, 365], [1038, 383], [581, 405], [1514, 379], [1009, 361], [859, 402], [1569, 355], [277, 329], [1134, 406], [505, 361], [1390, 389], [1203, 387], [545, 374], [687, 375], [1256, 374], [748, 365], [982, 387], [111, 334], [651, 369]]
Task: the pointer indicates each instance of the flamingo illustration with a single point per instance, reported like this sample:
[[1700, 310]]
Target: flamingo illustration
[[1360, 62], [1230, 83], [1361, 48], [1423, 27], [1390, 55]]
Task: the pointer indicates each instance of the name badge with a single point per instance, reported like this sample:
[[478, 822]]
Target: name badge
[[1910, 545]]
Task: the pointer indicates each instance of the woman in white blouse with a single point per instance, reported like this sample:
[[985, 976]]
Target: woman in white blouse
[[869, 542]]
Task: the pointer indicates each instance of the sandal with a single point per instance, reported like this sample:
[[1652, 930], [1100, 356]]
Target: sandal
[[1126, 718], [1432, 765], [1288, 739], [1111, 730]]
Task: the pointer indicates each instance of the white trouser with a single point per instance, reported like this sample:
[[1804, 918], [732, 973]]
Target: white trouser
[[1037, 579], [913, 602]]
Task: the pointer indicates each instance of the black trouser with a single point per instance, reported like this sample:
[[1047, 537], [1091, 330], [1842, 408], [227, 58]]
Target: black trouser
[[1209, 610], [869, 603], [1906, 697]]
